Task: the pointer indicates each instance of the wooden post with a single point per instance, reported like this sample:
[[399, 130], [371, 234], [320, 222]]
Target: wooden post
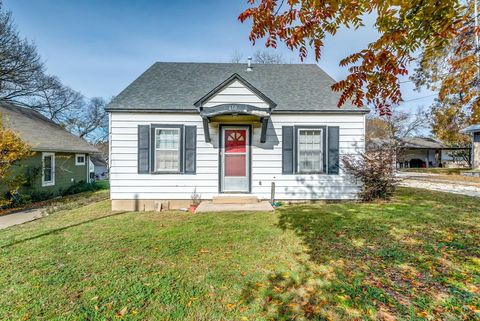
[[272, 193]]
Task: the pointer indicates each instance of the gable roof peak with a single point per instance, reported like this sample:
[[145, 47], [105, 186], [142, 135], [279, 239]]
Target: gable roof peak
[[234, 77]]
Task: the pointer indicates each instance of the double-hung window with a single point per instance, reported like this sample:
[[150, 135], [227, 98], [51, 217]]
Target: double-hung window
[[167, 149], [310, 151], [48, 169]]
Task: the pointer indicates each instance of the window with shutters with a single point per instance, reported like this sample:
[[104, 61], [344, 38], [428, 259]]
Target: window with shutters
[[310, 151], [167, 149]]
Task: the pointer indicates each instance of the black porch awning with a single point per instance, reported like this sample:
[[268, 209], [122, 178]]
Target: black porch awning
[[263, 114]]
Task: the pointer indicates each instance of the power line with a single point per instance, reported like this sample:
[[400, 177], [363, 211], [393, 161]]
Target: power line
[[413, 99]]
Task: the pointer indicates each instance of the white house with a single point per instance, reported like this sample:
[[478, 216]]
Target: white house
[[220, 129]]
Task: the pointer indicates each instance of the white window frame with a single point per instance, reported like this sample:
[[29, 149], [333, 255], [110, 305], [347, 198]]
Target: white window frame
[[322, 151], [77, 163], [178, 149], [52, 181]]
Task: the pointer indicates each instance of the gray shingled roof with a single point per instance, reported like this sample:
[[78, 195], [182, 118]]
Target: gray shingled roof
[[177, 86], [471, 129], [41, 133], [421, 142]]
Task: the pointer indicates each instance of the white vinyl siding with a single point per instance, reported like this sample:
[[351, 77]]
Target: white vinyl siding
[[127, 184], [236, 93]]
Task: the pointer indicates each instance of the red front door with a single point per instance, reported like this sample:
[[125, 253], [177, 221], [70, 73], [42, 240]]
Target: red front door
[[235, 173]]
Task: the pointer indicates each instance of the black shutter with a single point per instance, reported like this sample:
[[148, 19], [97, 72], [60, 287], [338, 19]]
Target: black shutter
[[143, 149], [190, 149], [288, 150], [333, 150]]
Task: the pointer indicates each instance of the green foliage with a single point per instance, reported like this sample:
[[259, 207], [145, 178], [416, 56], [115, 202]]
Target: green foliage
[[83, 186], [26, 196]]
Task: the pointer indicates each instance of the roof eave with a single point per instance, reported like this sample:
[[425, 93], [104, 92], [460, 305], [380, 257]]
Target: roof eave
[[276, 111], [57, 150]]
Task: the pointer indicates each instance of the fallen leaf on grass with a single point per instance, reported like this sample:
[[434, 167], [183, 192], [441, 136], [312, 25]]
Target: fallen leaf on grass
[[122, 312], [191, 301], [422, 314]]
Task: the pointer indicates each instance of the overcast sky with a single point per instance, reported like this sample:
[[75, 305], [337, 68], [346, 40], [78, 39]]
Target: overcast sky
[[99, 47]]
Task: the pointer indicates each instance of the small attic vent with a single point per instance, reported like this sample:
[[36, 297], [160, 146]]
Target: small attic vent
[[249, 65]]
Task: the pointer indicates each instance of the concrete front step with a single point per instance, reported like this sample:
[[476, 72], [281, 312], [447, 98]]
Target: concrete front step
[[234, 199], [208, 206]]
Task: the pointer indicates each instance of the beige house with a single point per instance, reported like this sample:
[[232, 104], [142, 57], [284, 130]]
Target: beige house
[[474, 131]]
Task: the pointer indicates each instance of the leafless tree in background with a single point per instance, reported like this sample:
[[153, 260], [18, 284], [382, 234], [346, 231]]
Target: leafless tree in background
[[236, 58], [56, 101], [268, 57], [90, 122], [23, 81], [398, 125], [21, 70], [259, 57]]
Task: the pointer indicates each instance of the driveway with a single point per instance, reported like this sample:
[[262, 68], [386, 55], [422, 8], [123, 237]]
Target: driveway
[[20, 217], [439, 183]]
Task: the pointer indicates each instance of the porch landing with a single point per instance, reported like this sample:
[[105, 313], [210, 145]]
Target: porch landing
[[208, 206]]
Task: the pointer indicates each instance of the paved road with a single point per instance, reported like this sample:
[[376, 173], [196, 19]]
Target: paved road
[[428, 181], [19, 217]]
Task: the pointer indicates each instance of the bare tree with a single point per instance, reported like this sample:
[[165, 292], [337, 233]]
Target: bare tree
[[397, 126], [89, 122], [23, 81], [56, 101], [236, 57], [21, 70], [267, 57]]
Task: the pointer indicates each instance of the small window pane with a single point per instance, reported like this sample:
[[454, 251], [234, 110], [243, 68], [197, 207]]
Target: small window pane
[[167, 150], [47, 175], [310, 154], [47, 168]]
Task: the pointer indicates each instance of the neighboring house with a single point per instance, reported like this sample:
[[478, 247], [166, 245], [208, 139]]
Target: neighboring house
[[428, 152], [230, 130], [60, 159], [474, 131], [98, 167]]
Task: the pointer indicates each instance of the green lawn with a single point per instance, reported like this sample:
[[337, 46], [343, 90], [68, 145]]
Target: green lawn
[[436, 170], [416, 257]]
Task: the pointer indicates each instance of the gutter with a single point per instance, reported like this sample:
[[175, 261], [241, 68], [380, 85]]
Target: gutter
[[276, 111]]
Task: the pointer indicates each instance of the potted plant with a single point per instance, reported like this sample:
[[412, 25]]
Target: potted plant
[[196, 199]]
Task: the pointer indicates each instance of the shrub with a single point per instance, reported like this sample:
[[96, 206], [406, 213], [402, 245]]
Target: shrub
[[83, 186], [375, 168], [39, 196]]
